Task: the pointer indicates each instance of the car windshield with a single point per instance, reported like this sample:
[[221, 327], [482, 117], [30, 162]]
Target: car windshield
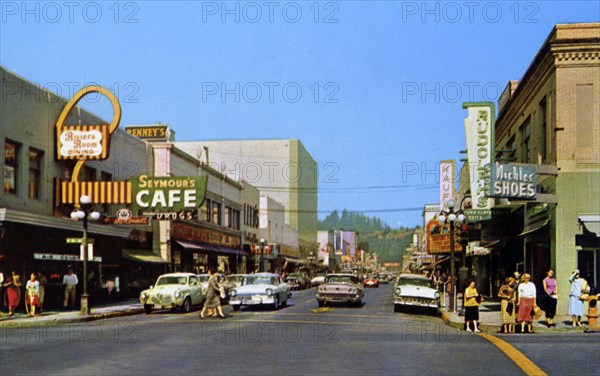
[[235, 278], [259, 280], [414, 282], [171, 281], [341, 279], [203, 278]]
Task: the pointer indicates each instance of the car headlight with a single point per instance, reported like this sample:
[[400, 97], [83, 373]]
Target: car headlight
[[233, 293], [397, 291], [436, 295], [269, 292], [177, 293], [143, 296]]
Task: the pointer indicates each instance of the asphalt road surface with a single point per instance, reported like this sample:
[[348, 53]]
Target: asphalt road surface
[[299, 339]]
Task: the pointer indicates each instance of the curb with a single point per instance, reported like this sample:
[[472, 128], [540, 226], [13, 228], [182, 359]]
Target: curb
[[24, 323]]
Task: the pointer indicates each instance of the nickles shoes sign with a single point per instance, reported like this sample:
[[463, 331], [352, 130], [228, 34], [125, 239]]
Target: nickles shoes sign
[[514, 180]]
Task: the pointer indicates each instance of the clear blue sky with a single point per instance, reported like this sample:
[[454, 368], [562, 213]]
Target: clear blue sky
[[381, 82]]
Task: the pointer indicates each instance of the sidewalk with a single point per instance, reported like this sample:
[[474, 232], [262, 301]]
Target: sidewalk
[[490, 321], [55, 317]]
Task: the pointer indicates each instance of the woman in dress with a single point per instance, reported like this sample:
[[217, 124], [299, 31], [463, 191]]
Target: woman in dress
[[507, 314], [12, 296], [527, 300], [550, 297], [471, 306], [213, 294], [576, 304], [32, 290]]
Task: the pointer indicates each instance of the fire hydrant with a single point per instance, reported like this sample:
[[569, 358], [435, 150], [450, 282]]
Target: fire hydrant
[[593, 314]]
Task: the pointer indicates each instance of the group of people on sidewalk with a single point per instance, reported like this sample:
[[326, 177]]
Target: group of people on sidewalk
[[35, 291], [519, 302]]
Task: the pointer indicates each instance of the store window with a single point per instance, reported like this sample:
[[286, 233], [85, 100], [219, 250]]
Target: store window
[[35, 167], [236, 219], [205, 211], [216, 213], [228, 217], [11, 152]]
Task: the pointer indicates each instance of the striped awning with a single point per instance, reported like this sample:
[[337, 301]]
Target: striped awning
[[100, 192]]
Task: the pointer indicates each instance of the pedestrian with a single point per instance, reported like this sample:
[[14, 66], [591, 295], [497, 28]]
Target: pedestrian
[[12, 296], [471, 304], [578, 286], [42, 292], [70, 281], [32, 289], [213, 294], [550, 298], [507, 293], [527, 301]]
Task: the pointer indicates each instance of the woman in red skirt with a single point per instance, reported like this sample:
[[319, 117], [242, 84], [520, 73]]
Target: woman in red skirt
[[527, 295], [12, 296], [32, 289]]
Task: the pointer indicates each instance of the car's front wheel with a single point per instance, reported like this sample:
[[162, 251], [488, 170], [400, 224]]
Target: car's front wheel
[[147, 309], [187, 305], [396, 307]]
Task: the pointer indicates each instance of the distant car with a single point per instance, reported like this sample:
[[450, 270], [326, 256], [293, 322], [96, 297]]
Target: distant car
[[317, 280], [371, 281], [295, 283], [415, 290], [174, 290], [340, 288], [260, 289], [302, 279]]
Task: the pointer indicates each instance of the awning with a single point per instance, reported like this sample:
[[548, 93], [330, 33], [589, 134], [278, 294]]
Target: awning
[[531, 228], [591, 223], [434, 264], [204, 247], [141, 255], [33, 219]]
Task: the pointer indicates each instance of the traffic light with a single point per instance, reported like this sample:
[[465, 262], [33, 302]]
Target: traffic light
[[463, 235]]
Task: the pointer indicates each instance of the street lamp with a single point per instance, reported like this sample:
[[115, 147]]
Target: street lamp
[[85, 210], [452, 216]]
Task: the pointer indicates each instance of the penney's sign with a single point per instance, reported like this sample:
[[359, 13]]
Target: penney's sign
[[513, 181], [171, 194]]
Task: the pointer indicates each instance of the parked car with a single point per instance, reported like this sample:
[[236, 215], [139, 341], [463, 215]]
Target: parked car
[[384, 278], [415, 290], [302, 280], [236, 279], [223, 281], [340, 288], [260, 289], [371, 281], [173, 290], [317, 280]]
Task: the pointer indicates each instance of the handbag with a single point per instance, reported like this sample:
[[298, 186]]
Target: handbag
[[536, 312], [584, 296]]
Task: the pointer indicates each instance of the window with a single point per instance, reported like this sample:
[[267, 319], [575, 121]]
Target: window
[[216, 213], [205, 211], [526, 141], [229, 217], [236, 219], [512, 146], [11, 152], [35, 164], [543, 129]]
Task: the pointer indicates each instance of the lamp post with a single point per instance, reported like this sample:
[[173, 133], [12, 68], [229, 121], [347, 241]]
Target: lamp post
[[260, 256], [452, 216], [85, 210]]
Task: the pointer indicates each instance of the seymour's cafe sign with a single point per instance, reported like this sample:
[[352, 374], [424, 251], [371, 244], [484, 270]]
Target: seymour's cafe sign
[[155, 197]]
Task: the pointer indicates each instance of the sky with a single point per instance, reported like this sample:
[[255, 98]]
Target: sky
[[373, 89]]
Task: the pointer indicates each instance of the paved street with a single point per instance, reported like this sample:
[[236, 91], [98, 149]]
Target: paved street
[[298, 339]]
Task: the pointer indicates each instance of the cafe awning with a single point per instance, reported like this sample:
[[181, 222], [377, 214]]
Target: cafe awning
[[204, 247], [141, 255]]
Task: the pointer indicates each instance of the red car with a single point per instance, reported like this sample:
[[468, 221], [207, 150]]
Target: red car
[[371, 281]]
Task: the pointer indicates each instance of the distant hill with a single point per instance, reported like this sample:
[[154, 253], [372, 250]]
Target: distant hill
[[373, 234]]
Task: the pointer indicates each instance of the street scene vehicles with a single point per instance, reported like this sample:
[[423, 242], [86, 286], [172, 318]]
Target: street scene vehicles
[[415, 290], [371, 281], [173, 290], [340, 288], [261, 289]]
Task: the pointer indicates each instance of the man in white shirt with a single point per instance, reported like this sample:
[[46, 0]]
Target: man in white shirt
[[70, 281]]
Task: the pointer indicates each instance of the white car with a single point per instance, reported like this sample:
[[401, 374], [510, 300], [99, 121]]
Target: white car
[[260, 289], [317, 280], [173, 290], [415, 290]]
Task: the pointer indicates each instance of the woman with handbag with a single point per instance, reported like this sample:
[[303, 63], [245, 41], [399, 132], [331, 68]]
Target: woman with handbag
[[507, 305], [32, 289], [575, 303], [471, 304], [527, 298], [550, 297]]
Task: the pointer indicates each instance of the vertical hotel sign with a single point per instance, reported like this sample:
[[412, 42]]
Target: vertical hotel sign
[[479, 130], [447, 173]]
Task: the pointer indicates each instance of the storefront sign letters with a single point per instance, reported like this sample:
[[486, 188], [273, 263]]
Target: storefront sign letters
[[514, 180], [169, 194]]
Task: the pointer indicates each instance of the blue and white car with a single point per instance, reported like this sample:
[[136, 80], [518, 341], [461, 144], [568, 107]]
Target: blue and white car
[[259, 290], [415, 290]]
